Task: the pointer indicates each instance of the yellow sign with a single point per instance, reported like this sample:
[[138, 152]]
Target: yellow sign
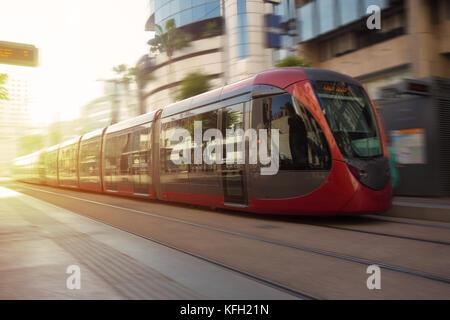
[[18, 54]]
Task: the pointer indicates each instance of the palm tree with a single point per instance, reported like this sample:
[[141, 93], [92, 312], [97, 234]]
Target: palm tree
[[169, 40], [123, 81], [193, 84], [123, 71], [141, 80], [128, 75]]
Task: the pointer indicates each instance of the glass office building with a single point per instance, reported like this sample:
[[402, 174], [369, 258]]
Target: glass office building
[[321, 16], [242, 28], [229, 41], [184, 12]]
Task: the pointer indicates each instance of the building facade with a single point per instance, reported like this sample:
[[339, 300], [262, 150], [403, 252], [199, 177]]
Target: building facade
[[15, 118], [249, 36], [228, 43], [119, 102], [413, 42]]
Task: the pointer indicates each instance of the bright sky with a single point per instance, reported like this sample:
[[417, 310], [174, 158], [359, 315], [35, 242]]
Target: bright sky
[[79, 42]]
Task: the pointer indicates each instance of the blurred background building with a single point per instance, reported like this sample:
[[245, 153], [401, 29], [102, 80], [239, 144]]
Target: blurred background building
[[119, 102], [234, 39], [228, 42], [413, 42], [15, 120]]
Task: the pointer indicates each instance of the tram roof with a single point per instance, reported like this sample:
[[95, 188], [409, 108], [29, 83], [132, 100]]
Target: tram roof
[[281, 78], [133, 122]]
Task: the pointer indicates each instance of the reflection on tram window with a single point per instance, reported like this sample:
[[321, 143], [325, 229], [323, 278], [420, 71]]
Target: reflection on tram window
[[302, 144], [167, 144], [351, 119], [232, 120], [208, 121], [89, 158]]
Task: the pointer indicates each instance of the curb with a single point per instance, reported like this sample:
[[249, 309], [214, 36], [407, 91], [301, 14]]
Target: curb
[[419, 210]]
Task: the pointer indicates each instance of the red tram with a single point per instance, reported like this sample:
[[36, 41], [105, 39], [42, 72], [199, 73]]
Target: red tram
[[333, 157]]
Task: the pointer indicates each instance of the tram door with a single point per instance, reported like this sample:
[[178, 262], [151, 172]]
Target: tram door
[[233, 174], [141, 160]]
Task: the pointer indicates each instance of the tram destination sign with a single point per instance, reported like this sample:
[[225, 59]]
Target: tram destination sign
[[19, 54]]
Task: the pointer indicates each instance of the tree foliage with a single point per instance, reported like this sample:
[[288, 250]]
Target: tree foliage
[[192, 84], [124, 73], [3, 90], [293, 61], [131, 74], [211, 29], [169, 39], [140, 78]]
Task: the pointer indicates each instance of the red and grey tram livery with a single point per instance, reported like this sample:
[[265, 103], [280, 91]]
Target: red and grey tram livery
[[332, 154]]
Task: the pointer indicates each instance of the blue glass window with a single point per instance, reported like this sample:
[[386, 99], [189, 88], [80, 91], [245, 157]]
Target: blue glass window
[[198, 13], [185, 11], [177, 18], [278, 9], [348, 10], [242, 28], [242, 20], [326, 15], [241, 6], [199, 2], [273, 21], [212, 10], [273, 40], [381, 3], [242, 36], [174, 6], [186, 17], [242, 51], [185, 4], [306, 21], [158, 4], [157, 17], [165, 10]]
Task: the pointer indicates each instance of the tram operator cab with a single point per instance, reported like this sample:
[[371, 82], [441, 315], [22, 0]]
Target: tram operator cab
[[332, 153]]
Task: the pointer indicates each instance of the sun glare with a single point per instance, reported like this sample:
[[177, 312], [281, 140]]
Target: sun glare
[[7, 193]]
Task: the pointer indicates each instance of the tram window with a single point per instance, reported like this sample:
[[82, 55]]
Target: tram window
[[302, 144], [209, 121], [67, 161], [51, 163], [144, 148], [167, 144], [139, 155], [63, 155], [125, 143], [111, 160], [232, 119], [89, 158], [73, 160]]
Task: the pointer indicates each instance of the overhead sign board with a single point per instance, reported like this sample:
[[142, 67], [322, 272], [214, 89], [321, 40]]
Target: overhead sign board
[[19, 54]]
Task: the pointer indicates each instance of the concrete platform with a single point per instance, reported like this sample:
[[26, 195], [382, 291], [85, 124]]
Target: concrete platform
[[39, 241], [433, 209]]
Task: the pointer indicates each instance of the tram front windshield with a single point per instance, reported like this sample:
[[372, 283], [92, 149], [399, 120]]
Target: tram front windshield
[[351, 119]]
